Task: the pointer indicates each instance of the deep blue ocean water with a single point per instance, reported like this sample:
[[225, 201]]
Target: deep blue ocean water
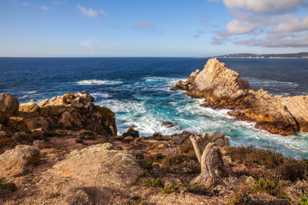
[[137, 89]]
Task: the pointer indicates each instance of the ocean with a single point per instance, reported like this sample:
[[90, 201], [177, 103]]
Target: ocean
[[137, 90]]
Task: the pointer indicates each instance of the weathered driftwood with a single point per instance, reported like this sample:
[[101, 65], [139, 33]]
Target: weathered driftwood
[[211, 162]]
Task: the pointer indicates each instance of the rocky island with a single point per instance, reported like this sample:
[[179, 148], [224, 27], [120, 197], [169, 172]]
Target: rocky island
[[66, 150], [222, 87]]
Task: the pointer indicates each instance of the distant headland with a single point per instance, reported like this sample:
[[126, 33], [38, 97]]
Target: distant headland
[[266, 56]]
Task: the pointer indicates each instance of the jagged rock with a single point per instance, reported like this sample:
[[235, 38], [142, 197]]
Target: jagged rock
[[222, 87], [70, 111], [131, 132], [99, 165], [216, 77], [298, 108], [29, 107], [70, 119], [8, 106], [17, 161], [36, 123], [77, 100]]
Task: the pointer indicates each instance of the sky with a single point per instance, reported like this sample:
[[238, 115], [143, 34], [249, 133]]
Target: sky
[[151, 28]]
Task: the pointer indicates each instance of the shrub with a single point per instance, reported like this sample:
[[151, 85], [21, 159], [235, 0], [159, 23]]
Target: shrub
[[240, 199], [250, 155], [153, 182], [169, 188], [270, 186], [293, 170], [180, 164], [303, 200], [6, 187]]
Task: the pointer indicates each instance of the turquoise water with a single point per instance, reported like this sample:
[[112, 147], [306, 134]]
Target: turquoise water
[[138, 90]]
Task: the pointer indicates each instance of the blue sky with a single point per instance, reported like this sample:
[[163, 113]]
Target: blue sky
[[190, 28]]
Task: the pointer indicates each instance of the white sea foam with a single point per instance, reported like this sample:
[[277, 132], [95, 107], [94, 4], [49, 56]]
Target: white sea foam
[[99, 82], [123, 106], [101, 95], [167, 80], [31, 92], [196, 109], [148, 124]]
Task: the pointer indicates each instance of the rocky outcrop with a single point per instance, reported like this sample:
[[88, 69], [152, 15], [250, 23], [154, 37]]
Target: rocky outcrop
[[72, 111], [222, 87], [18, 161]]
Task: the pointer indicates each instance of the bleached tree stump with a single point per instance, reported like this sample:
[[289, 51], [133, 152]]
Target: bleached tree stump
[[211, 162]]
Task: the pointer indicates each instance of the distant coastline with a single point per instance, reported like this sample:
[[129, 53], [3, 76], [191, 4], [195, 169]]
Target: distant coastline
[[301, 55]]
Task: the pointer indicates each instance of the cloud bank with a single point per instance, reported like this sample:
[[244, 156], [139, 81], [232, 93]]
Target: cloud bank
[[266, 23]]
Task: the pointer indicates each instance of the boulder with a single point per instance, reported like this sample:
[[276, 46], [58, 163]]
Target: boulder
[[8, 106], [78, 100], [18, 161], [131, 132], [99, 165], [29, 107]]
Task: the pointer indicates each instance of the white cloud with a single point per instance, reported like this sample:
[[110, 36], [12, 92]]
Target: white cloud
[[265, 23], [264, 6], [292, 24], [240, 27], [90, 12], [278, 40]]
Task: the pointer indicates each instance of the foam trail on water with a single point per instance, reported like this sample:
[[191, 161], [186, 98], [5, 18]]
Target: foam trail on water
[[99, 82], [98, 95]]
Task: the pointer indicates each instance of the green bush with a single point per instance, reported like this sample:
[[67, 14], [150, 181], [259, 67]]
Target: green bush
[[303, 200], [270, 186], [169, 188], [6, 187], [152, 182]]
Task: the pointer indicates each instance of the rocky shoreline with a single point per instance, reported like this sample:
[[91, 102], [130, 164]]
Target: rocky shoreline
[[66, 150], [221, 87]]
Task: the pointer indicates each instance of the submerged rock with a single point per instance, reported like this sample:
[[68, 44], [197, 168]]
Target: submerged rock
[[168, 124], [222, 87]]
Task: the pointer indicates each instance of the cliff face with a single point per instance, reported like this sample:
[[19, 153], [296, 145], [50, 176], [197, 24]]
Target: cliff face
[[222, 87]]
